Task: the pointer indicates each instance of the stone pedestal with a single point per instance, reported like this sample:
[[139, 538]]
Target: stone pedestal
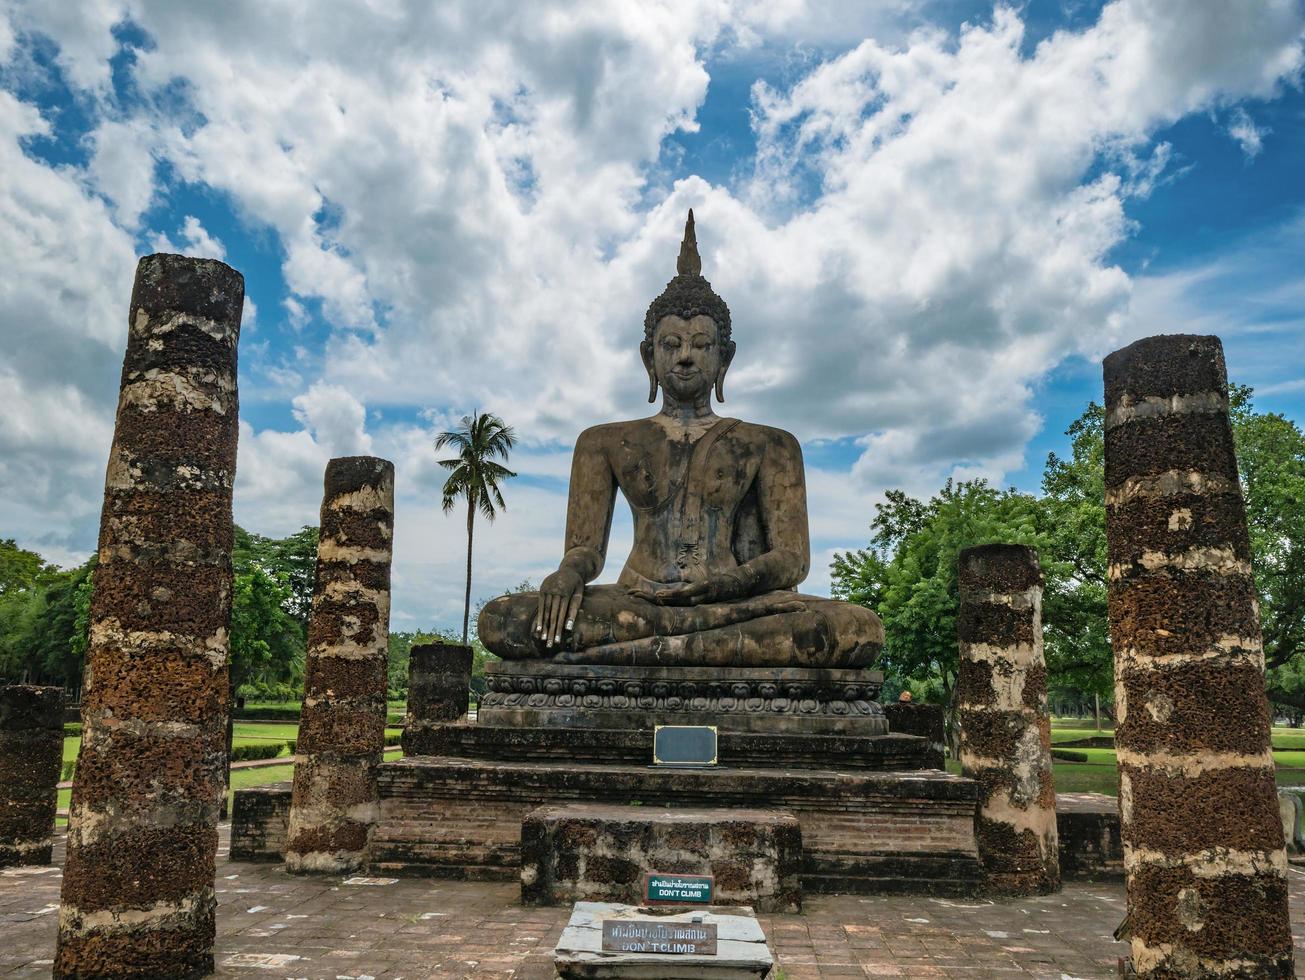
[[31, 756], [1203, 840], [601, 852], [342, 725], [1005, 730], [797, 700], [439, 684], [138, 894]]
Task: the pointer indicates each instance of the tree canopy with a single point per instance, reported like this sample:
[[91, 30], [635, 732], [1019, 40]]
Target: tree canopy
[[908, 571]]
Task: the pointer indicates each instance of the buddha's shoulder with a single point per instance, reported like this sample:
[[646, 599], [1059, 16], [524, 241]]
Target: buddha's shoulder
[[765, 435], [610, 433]]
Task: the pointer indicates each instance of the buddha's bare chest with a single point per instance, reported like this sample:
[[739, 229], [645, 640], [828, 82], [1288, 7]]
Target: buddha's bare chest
[[662, 474]]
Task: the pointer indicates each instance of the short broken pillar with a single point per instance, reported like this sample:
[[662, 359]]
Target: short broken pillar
[[439, 681], [1005, 730], [342, 722], [1203, 841], [31, 757], [138, 896]]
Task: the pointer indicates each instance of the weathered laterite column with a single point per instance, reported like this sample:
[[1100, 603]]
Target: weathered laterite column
[[138, 894], [31, 756], [439, 681], [342, 724], [1203, 842], [1002, 711]]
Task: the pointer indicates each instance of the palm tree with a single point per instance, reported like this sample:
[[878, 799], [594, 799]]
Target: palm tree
[[474, 475]]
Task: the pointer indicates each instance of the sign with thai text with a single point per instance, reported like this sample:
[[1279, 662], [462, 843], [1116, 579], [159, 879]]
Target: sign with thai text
[[641, 936], [661, 888]]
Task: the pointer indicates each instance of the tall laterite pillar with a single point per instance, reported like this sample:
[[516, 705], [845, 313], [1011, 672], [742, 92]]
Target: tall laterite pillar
[[342, 722], [1002, 711], [1203, 842], [138, 894]]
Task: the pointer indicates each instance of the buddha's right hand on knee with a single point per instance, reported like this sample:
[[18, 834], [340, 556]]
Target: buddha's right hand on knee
[[559, 602]]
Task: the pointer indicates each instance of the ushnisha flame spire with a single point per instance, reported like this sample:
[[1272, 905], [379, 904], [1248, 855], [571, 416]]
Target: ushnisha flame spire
[[688, 294], [689, 262]]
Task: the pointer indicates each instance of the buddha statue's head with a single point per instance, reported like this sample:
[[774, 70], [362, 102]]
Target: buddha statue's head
[[686, 333]]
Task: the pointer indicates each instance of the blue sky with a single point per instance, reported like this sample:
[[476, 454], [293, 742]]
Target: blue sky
[[930, 219]]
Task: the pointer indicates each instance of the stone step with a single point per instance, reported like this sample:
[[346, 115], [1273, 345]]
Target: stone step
[[575, 746]]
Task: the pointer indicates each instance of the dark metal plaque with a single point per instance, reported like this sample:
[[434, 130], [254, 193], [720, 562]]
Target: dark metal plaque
[[684, 745], [669, 938]]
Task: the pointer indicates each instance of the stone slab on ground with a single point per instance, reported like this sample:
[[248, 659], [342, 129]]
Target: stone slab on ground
[[601, 852], [740, 947], [418, 928]]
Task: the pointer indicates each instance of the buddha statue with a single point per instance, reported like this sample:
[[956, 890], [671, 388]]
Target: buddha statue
[[720, 526]]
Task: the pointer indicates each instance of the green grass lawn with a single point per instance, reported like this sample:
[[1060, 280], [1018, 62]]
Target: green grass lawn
[[243, 733], [1100, 774]]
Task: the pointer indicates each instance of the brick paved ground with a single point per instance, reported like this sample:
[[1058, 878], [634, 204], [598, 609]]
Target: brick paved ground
[[271, 925]]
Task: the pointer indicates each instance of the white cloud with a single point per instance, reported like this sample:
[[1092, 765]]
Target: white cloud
[[1250, 137], [195, 241], [466, 193]]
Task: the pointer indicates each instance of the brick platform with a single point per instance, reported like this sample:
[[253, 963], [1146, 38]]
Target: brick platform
[[863, 832], [895, 752], [600, 853]]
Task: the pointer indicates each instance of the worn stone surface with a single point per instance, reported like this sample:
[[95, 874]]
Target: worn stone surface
[[138, 886], [1203, 839], [600, 852], [862, 831], [1005, 729], [741, 950], [260, 817], [31, 755], [439, 685], [585, 746], [720, 527], [790, 700], [341, 737], [924, 720]]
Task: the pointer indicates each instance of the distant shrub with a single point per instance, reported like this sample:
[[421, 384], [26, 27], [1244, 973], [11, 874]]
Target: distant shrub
[[262, 750], [266, 714], [1069, 755]]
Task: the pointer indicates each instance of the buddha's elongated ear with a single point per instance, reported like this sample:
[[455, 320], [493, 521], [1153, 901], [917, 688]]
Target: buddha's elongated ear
[[646, 352], [726, 355]]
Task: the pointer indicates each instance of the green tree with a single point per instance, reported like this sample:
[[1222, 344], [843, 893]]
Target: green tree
[[1271, 463], [908, 574], [1072, 518], [263, 634], [475, 475], [41, 638], [21, 570]]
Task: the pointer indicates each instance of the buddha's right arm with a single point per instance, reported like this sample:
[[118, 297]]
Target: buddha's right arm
[[590, 500]]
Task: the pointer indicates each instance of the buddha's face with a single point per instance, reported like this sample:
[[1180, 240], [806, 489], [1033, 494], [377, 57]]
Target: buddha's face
[[687, 358]]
